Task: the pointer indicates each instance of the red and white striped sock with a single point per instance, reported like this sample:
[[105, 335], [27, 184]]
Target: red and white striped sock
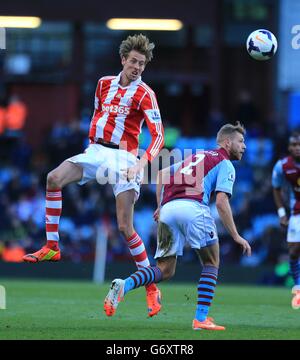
[[53, 212], [138, 251], [139, 254]]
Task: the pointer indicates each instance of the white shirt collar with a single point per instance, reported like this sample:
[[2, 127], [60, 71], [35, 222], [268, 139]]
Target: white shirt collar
[[133, 83]]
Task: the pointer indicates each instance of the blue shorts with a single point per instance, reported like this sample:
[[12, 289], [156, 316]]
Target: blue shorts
[[184, 222]]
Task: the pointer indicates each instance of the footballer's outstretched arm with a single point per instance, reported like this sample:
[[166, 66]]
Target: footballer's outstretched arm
[[224, 210], [163, 177], [278, 198]]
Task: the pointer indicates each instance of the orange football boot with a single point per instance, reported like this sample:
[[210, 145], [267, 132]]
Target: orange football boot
[[207, 324], [296, 298], [45, 254], [153, 300]]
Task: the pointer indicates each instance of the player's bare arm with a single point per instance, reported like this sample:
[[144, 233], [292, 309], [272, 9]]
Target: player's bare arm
[[163, 176], [224, 210], [278, 198]]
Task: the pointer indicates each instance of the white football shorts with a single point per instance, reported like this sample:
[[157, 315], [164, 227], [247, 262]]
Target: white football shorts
[[105, 165], [183, 222], [293, 234]]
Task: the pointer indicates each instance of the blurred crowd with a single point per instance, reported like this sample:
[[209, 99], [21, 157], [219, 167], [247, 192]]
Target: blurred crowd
[[22, 196]]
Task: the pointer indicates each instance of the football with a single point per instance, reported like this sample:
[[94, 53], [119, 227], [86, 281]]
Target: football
[[261, 44]]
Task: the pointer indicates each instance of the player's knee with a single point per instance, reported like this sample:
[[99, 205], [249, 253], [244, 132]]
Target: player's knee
[[167, 272], [53, 180]]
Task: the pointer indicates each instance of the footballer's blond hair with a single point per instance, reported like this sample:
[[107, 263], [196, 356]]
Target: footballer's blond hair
[[139, 43], [229, 130]]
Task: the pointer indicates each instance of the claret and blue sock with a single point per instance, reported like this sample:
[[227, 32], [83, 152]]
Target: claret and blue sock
[[206, 290]]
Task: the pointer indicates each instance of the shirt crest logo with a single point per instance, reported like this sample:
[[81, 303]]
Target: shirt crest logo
[[153, 115], [231, 177]]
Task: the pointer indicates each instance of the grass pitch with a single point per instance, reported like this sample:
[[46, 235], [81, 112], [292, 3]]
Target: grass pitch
[[73, 310]]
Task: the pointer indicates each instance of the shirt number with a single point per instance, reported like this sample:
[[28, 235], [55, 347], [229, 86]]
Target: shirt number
[[189, 169]]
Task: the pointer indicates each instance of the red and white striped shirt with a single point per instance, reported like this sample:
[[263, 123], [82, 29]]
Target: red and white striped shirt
[[120, 113]]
